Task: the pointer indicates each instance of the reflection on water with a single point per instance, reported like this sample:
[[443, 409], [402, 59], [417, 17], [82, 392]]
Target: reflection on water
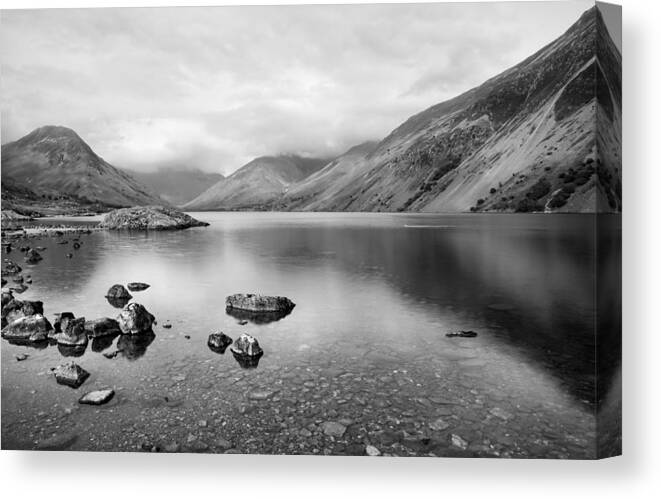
[[257, 317], [375, 293]]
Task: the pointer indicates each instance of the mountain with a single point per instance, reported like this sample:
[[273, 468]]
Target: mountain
[[54, 163], [256, 185], [177, 186], [543, 135]]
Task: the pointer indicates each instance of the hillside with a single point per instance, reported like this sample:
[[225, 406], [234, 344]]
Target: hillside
[[54, 164], [256, 185], [525, 140], [177, 186]]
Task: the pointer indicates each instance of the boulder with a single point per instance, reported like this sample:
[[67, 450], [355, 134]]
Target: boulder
[[7, 296], [259, 303], [32, 328], [16, 309], [134, 319], [246, 346], [60, 321], [70, 374], [105, 326], [149, 218], [33, 256], [97, 397], [137, 286], [119, 292], [218, 342], [73, 333], [10, 268]]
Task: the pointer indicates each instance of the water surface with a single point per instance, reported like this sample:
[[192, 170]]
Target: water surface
[[364, 348]]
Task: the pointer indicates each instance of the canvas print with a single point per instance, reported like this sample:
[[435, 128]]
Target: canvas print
[[333, 230]]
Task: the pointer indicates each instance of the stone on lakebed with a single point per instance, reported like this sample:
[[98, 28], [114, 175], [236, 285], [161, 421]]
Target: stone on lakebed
[[97, 397], [149, 218], [137, 286], [218, 342], [70, 374]]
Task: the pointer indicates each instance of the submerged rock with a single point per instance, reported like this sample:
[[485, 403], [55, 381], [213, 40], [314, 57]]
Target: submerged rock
[[105, 326], [33, 256], [97, 397], [135, 319], [70, 374], [333, 429], [259, 303], [462, 334], [32, 328], [149, 218], [218, 342], [10, 268], [137, 286], [73, 333]]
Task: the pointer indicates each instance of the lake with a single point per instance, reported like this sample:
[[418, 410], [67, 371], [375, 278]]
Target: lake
[[363, 359]]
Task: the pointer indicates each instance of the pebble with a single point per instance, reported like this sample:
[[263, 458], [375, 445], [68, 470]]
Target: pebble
[[457, 441], [21, 356], [333, 429], [370, 450]]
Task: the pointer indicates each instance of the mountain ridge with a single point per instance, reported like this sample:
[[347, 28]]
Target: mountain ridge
[[55, 163]]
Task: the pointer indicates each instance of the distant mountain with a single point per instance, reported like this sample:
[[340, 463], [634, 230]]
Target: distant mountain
[[256, 185], [53, 162], [177, 186], [525, 140]]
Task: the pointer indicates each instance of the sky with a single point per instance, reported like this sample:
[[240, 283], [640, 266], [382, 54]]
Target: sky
[[213, 88]]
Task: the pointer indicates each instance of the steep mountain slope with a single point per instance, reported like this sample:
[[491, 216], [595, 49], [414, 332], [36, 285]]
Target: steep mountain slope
[[54, 162], [525, 140], [177, 186], [257, 184]]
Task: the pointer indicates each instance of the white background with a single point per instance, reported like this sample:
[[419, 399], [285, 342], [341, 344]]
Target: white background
[[636, 474]]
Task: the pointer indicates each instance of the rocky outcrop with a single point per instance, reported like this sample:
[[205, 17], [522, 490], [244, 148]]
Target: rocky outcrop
[[33, 328], [73, 333], [105, 326], [135, 319], [70, 374], [218, 342], [149, 218], [259, 303]]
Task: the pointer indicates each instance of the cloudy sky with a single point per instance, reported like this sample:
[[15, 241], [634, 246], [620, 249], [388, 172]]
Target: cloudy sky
[[215, 87]]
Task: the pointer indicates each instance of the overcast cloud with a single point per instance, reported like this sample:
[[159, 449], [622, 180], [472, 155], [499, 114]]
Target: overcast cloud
[[215, 87]]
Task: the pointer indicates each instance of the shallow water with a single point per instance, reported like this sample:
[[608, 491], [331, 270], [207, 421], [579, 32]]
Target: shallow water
[[365, 346]]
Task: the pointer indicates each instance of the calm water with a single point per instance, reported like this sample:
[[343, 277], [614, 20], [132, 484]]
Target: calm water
[[365, 345]]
